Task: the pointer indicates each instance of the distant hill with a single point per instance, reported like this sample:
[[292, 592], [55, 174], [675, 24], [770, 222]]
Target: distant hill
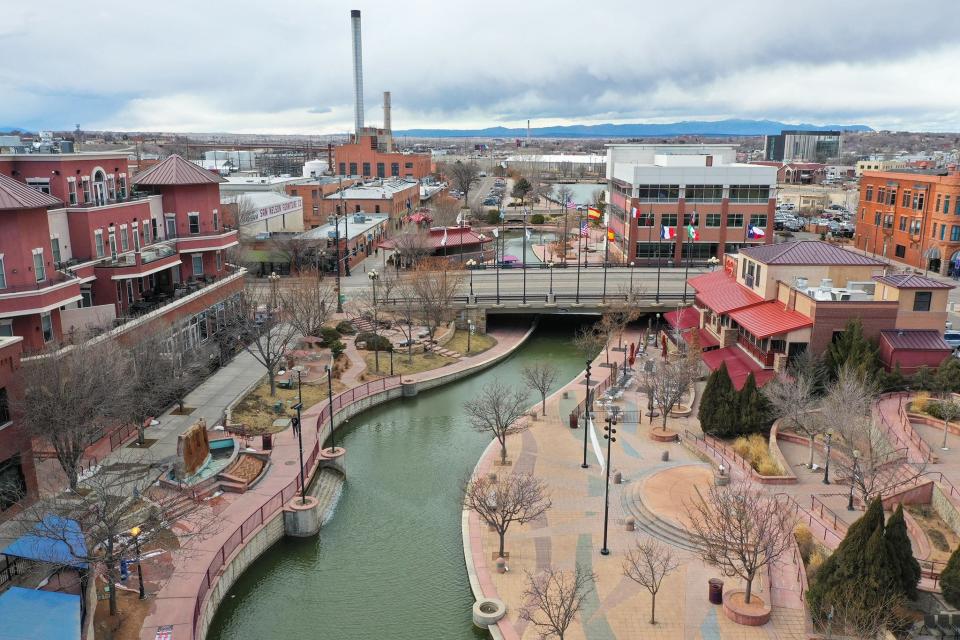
[[733, 127]]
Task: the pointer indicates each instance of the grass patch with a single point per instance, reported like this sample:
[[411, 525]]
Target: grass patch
[[255, 411], [421, 362], [479, 342], [757, 452], [942, 538]]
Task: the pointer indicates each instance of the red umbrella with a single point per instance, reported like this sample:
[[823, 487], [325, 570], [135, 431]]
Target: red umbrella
[[663, 340], [633, 352]]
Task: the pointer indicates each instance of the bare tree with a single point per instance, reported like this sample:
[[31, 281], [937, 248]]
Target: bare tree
[[436, 289], [463, 175], [647, 565], [263, 332], [412, 245], [69, 397], [792, 400], [668, 383], [246, 210], [564, 195], [589, 341], [444, 211], [865, 453], [554, 599], [152, 384], [504, 499], [540, 377], [407, 309], [498, 410], [949, 410], [298, 252], [307, 304], [739, 529]]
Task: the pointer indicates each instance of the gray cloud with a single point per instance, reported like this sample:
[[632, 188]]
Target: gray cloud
[[285, 65]]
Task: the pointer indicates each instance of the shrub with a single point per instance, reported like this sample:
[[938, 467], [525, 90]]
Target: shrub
[[373, 341], [337, 348], [920, 402], [805, 541], [537, 218], [938, 540], [950, 580], [817, 558], [493, 216], [769, 468], [756, 451], [329, 335], [345, 327]]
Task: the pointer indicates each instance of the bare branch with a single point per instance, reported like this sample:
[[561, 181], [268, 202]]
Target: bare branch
[[555, 598], [498, 410], [502, 500], [540, 377], [647, 565]]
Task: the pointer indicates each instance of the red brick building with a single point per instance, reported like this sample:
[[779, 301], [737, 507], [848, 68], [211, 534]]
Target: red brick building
[[911, 216], [395, 197], [313, 194], [371, 156]]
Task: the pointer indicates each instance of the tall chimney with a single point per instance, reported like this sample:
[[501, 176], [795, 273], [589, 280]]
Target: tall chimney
[[386, 110], [357, 72]]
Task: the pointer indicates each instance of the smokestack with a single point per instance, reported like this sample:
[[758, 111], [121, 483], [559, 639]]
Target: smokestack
[[357, 72], [386, 111]]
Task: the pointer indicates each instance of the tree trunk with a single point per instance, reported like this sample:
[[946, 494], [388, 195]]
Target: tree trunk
[[503, 452], [665, 412], [111, 578], [273, 382], [810, 463], [503, 535], [140, 435], [543, 404], [653, 607], [746, 597]]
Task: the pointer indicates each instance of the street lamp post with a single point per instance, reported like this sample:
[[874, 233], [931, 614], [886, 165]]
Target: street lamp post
[[631, 280], [579, 244], [826, 464], [330, 403], [609, 435], [298, 430], [469, 333], [274, 280], [586, 420], [471, 263], [135, 533], [853, 479], [373, 275], [550, 268]]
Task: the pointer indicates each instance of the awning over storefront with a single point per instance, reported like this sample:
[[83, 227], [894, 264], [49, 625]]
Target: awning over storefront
[[721, 292], [39, 615], [770, 319]]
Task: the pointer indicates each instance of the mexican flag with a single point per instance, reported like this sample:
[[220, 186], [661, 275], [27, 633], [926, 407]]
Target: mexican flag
[[692, 232]]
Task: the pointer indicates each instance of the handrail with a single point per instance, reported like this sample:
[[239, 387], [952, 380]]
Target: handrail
[[811, 519], [601, 386], [816, 503]]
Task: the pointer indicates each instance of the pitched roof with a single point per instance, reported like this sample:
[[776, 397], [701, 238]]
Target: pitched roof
[[683, 319], [739, 365], [912, 281], [17, 195], [915, 339], [770, 319], [807, 252], [174, 170], [722, 293]]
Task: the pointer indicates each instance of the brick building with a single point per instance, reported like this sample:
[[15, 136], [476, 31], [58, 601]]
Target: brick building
[[313, 194], [658, 192], [394, 197], [771, 303], [911, 216], [371, 155]]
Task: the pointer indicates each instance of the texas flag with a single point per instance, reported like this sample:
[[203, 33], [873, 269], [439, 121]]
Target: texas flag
[[755, 232], [667, 233]]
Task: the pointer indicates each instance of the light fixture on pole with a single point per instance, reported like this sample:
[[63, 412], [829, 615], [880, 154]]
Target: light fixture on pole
[[330, 404], [471, 263], [579, 244], [274, 280], [826, 464], [631, 281], [586, 420], [373, 275], [135, 534], [550, 268], [611, 421], [297, 424], [469, 333]]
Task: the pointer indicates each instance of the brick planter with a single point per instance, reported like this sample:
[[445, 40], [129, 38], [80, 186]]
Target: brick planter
[[750, 616]]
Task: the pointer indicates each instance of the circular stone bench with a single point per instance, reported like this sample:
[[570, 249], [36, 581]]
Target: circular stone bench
[[488, 612]]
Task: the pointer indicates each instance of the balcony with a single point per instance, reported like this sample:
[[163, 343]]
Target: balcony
[[89, 206], [215, 241], [57, 290], [140, 263], [764, 357]]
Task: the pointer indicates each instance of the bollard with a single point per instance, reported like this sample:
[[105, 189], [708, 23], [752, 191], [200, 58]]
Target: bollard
[[501, 565], [566, 394], [631, 523], [617, 477], [492, 477], [665, 456]]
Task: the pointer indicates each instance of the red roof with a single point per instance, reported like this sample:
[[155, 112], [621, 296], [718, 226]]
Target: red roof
[[807, 252], [770, 319], [721, 293], [915, 339], [739, 365], [912, 281], [683, 319], [174, 170], [17, 195], [454, 235], [706, 338]]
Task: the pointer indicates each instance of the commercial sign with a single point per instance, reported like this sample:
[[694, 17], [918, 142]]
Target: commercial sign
[[274, 210]]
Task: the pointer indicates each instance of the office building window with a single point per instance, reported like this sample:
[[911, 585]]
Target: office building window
[[40, 184], [918, 201], [713, 219], [734, 219], [704, 192], [381, 170], [123, 187], [892, 197], [645, 219], [366, 169], [343, 168], [219, 261], [915, 227], [86, 189], [937, 207], [906, 199], [876, 218], [921, 300], [98, 242], [899, 251], [658, 192], [759, 220], [668, 219], [111, 187], [46, 326], [691, 218], [946, 203], [6, 328], [112, 239], [72, 192], [654, 250], [55, 250], [197, 263], [394, 168], [136, 236], [943, 231], [749, 193], [3, 274], [216, 219], [903, 223], [408, 165], [194, 220], [353, 168], [868, 196], [934, 234]]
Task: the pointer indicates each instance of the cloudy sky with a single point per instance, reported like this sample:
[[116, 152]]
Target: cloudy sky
[[284, 66]]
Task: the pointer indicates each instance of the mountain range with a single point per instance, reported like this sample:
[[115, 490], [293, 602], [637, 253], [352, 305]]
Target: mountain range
[[731, 127]]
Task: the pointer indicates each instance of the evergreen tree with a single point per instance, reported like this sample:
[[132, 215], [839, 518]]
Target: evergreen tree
[[894, 380], [718, 405], [900, 552], [950, 580], [948, 375], [923, 379], [755, 411], [851, 346]]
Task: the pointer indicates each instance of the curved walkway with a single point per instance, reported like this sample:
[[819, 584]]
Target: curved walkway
[[175, 601]]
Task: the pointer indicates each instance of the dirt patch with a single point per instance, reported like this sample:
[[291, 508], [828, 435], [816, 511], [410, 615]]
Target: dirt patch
[[147, 443], [131, 612], [401, 364], [246, 468], [256, 411], [183, 412], [737, 599], [942, 538]]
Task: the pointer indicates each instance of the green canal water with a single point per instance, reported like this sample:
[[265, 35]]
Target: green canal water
[[390, 562]]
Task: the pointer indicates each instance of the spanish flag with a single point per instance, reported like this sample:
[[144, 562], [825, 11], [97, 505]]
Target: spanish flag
[[611, 236], [594, 214]]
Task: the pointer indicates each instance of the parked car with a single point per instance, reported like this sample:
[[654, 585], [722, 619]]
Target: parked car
[[952, 338]]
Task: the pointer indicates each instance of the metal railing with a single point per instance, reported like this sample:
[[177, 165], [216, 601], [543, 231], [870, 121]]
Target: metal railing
[[348, 397], [244, 531], [601, 386]]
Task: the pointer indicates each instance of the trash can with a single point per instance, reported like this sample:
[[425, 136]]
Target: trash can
[[573, 421], [267, 441], [716, 590]]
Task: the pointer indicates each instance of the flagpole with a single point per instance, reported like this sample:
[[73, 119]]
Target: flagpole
[[686, 271], [524, 255], [659, 260], [579, 244], [606, 258]]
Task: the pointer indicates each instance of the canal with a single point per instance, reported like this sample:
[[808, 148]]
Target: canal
[[390, 562]]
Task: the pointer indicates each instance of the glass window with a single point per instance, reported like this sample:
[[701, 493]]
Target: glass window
[[38, 269], [55, 250], [219, 261], [123, 187], [366, 169], [713, 219], [86, 190], [113, 244], [934, 233], [899, 251], [124, 238], [645, 219], [6, 328], [46, 326], [11, 477], [98, 242], [868, 196], [197, 264], [654, 250], [353, 168], [658, 192], [906, 199], [892, 199], [72, 192], [888, 221], [903, 223], [194, 219], [381, 170], [668, 219], [759, 220], [734, 219], [749, 193], [876, 218], [937, 207], [408, 165], [394, 168], [921, 300], [111, 187], [946, 203], [3, 274], [704, 192], [690, 219], [343, 168], [955, 233], [943, 231], [216, 219]]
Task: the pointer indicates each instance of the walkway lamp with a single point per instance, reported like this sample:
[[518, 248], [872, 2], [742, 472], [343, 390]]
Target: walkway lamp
[[135, 534], [550, 267], [373, 275], [853, 479], [586, 420], [632, 264], [471, 264], [714, 262], [274, 280], [469, 333], [611, 421], [826, 464]]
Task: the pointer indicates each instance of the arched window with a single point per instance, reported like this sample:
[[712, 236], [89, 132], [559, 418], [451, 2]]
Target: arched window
[[99, 187]]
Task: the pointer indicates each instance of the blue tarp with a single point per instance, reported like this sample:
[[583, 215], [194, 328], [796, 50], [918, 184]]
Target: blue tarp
[[39, 615], [57, 541]]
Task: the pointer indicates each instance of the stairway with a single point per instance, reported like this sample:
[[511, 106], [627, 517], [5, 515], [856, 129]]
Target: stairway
[[361, 324], [652, 524]]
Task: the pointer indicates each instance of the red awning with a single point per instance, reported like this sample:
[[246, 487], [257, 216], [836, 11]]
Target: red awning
[[739, 365], [770, 319], [683, 319], [722, 293]]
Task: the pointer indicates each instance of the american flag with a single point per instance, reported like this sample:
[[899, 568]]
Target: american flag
[[571, 204], [584, 229]]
